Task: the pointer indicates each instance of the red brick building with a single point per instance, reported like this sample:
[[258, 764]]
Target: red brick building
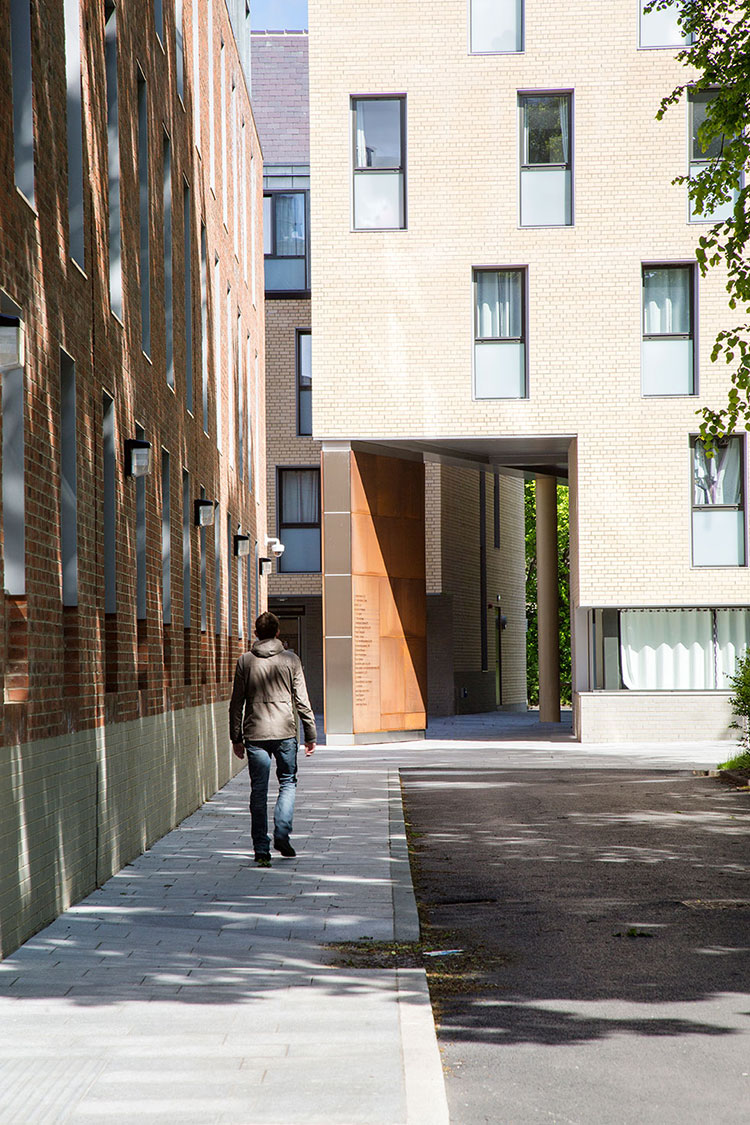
[[131, 290]]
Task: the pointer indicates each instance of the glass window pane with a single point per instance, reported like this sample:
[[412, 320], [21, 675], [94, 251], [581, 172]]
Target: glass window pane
[[666, 650], [378, 133], [499, 304], [667, 367], [718, 538], [698, 105], [666, 301], [660, 29], [302, 549], [290, 225], [546, 197], [717, 479], [305, 412], [305, 359], [10, 344], [499, 370], [378, 201], [732, 642], [721, 211], [285, 273], [546, 130], [267, 225], [496, 25], [300, 500]]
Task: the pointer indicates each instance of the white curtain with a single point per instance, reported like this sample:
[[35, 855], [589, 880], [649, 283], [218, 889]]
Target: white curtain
[[666, 302], [732, 641], [300, 500], [498, 304], [290, 225], [564, 128], [717, 479], [666, 649]]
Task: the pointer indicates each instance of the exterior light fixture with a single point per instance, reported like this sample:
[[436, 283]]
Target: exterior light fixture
[[264, 566], [204, 513], [241, 545], [137, 457]]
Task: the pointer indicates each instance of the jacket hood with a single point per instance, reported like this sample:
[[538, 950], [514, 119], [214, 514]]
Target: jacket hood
[[270, 647]]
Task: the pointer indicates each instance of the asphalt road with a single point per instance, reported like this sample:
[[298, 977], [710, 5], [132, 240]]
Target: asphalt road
[[612, 912]]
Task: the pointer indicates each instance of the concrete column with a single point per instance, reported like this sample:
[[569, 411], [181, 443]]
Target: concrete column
[[547, 600]]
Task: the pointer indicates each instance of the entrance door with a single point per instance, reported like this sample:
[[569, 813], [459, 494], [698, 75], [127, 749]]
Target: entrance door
[[290, 633]]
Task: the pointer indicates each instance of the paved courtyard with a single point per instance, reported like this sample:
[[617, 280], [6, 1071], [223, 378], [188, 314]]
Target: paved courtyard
[[194, 987]]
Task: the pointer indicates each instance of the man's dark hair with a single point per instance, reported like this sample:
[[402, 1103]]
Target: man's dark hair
[[267, 626]]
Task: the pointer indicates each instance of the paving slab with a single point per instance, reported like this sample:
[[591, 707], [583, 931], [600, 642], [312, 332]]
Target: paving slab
[[194, 987]]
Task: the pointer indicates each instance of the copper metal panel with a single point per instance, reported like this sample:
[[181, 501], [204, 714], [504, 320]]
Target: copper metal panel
[[367, 553]]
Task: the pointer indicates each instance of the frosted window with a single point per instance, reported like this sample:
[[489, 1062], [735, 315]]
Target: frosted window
[[496, 26]]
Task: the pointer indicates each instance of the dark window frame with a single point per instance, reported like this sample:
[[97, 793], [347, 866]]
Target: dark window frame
[[523, 97], [741, 507], [300, 390], [358, 170], [282, 525], [272, 194]]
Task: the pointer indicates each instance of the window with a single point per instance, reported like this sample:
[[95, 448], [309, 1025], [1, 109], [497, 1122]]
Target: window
[[299, 519], [660, 28], [703, 153], [23, 109], [304, 382], [143, 213], [166, 541], [668, 649], [667, 350], [546, 160], [168, 248], [204, 329], [196, 89], [113, 159], [217, 568], [285, 241], [179, 34], [499, 334], [496, 511], [186, 526], [140, 539], [379, 126], [68, 481], [159, 19], [496, 26], [188, 298], [13, 447], [718, 504], [74, 128], [109, 500], [211, 99], [202, 565]]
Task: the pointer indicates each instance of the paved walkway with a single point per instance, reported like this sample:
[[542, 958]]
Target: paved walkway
[[193, 988]]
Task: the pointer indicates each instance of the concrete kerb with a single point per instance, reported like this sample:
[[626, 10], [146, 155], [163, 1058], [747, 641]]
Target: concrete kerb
[[426, 1099]]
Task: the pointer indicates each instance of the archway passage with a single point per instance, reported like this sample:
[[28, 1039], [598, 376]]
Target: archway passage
[[416, 614]]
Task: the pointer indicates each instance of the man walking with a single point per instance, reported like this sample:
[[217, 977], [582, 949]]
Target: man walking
[[269, 685]]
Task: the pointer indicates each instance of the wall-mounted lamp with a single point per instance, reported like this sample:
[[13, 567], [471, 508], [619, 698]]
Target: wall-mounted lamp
[[264, 566], [241, 545], [137, 457], [204, 513], [277, 547]]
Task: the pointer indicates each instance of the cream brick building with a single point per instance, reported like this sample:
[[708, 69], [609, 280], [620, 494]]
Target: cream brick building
[[468, 669], [504, 279]]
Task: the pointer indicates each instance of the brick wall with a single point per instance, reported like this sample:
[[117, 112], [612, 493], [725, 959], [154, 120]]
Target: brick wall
[[161, 674]]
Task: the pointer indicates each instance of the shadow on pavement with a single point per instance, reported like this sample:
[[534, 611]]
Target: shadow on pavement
[[617, 901]]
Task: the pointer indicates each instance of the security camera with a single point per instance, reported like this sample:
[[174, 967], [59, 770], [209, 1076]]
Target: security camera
[[276, 547]]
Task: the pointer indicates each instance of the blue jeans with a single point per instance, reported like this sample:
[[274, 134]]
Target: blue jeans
[[259, 755]]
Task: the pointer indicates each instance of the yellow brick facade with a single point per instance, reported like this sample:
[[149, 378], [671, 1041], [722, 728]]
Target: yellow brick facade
[[393, 310]]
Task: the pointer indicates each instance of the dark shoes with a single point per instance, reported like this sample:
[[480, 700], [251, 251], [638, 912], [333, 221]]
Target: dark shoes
[[263, 859], [284, 847]]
